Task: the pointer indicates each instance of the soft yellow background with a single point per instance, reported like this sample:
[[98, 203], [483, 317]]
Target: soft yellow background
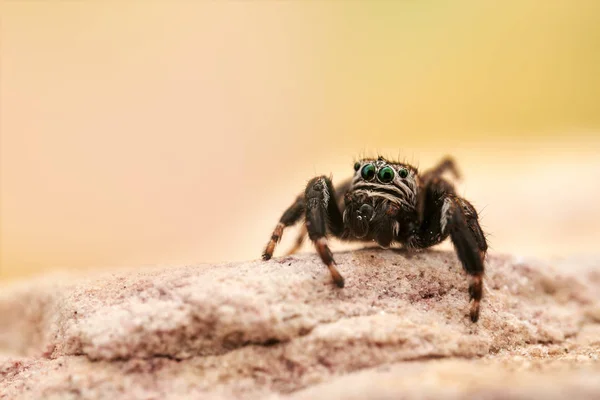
[[146, 132]]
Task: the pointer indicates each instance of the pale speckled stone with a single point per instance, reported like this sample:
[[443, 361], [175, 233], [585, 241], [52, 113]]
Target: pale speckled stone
[[281, 328]]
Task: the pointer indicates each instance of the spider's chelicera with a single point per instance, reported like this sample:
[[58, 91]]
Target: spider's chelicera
[[389, 202]]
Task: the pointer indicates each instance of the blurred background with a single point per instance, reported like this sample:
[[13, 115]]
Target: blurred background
[[145, 133]]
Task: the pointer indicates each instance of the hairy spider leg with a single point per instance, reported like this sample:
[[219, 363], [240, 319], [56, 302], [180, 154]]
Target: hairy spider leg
[[322, 212], [293, 215], [433, 177], [470, 244], [446, 164], [290, 216], [444, 213]]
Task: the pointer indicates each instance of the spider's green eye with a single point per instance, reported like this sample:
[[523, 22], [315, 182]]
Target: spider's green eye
[[368, 172], [386, 174], [403, 172], [356, 166]]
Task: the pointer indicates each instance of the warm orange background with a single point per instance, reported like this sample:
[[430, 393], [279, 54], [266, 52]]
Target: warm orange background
[[137, 133]]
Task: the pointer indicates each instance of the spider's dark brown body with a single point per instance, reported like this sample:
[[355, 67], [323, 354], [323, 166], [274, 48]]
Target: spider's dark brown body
[[389, 202]]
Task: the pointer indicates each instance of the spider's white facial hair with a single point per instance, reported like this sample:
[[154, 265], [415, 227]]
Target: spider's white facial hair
[[399, 190], [402, 194]]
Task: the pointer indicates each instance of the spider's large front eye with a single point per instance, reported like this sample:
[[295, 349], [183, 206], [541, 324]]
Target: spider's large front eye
[[386, 174], [368, 172]]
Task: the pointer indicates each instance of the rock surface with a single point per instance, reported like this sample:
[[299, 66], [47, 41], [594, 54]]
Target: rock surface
[[281, 329]]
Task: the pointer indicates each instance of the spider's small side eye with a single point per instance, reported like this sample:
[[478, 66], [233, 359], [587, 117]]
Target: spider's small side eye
[[386, 174], [356, 166], [403, 172], [368, 172]]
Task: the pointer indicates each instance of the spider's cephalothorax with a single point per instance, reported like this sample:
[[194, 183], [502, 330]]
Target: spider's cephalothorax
[[389, 202]]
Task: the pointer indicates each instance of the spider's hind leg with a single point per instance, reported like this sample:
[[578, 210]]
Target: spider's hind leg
[[446, 164]]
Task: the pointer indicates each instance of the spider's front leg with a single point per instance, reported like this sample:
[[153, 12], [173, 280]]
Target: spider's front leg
[[322, 212], [319, 206], [459, 218]]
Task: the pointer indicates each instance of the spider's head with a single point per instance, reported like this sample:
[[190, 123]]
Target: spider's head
[[380, 189]]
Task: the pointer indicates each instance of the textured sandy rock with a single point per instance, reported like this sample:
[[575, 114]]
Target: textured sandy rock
[[280, 328]]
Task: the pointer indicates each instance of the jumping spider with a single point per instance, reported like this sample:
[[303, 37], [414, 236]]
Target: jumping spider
[[390, 202]]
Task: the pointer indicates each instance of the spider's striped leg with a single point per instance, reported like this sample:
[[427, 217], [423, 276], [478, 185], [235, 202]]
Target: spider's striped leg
[[444, 213], [322, 212], [289, 217], [459, 218]]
